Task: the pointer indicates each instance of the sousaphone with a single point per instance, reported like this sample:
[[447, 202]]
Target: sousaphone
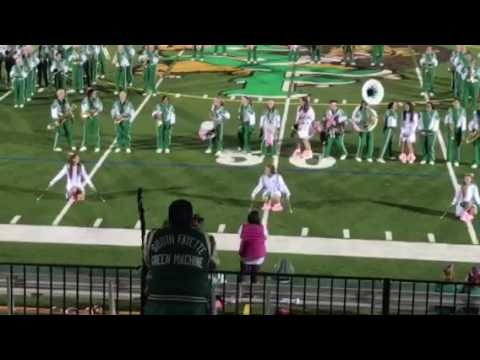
[[373, 93]]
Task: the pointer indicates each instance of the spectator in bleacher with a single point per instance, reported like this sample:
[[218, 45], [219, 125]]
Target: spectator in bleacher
[[177, 258], [449, 273], [252, 251], [198, 223], [448, 277], [473, 277]]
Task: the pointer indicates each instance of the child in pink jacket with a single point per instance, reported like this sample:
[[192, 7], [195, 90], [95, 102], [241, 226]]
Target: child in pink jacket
[[253, 249]]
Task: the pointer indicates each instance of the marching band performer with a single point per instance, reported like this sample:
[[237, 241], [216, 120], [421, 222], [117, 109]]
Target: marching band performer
[[361, 117], [453, 68], [220, 49], [77, 60], [389, 126], [474, 128], [45, 59], [377, 55], [304, 129], [131, 56], [247, 119], [428, 127], [121, 60], [408, 136], [456, 120], [123, 114], [428, 63], [335, 122], [30, 61], [315, 53], [348, 55], [218, 115], [270, 123], [461, 62], [3, 56], [165, 117], [470, 76], [60, 69], [198, 49], [150, 61], [91, 107], [467, 199], [18, 76], [77, 178], [93, 56], [293, 53], [103, 56], [252, 54], [62, 120], [273, 187]]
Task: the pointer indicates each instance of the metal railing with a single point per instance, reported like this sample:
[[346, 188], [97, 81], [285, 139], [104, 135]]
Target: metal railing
[[31, 289]]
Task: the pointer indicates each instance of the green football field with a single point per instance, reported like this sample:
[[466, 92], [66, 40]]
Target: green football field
[[368, 199]]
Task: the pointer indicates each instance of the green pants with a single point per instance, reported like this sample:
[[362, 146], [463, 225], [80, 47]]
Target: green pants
[[64, 132], [268, 150], [377, 54], [217, 141], [293, 55], [149, 79], [91, 132], [470, 90], [459, 83], [129, 75], [348, 54], [428, 77], [60, 80], [220, 49], [198, 49], [124, 137], [454, 143], [121, 78], [365, 138], [102, 63], [244, 135], [428, 146], [476, 150], [336, 139], [315, 53], [252, 54], [93, 69], [77, 77], [387, 148], [29, 85], [164, 136], [19, 91], [179, 309]]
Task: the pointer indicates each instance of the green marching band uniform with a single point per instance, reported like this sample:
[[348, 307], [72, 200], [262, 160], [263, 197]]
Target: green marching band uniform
[[131, 55], [91, 107], [122, 62], [335, 122], [377, 55], [293, 53], [198, 50], [77, 60], [62, 122], [219, 49], [219, 116], [45, 54], [456, 120], [60, 69], [428, 64], [247, 126], [453, 70], [390, 124], [30, 62], [103, 56], [252, 54], [315, 53], [270, 123], [428, 126], [18, 76], [470, 76], [93, 56], [474, 126], [165, 117], [459, 62], [360, 118], [348, 55], [122, 114], [150, 60]]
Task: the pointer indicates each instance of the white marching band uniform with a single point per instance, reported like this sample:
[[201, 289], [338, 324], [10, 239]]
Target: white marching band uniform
[[409, 127], [272, 186], [471, 196], [270, 122], [78, 179], [305, 120]]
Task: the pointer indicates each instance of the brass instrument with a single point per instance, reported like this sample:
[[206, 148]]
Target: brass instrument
[[121, 118], [472, 137], [68, 115]]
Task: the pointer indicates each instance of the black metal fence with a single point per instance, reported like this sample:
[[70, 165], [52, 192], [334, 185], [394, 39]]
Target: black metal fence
[[29, 289]]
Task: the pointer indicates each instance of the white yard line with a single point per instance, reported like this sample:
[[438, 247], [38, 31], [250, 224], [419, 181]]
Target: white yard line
[[388, 236], [221, 228], [304, 232], [97, 223], [138, 224], [346, 233], [100, 162], [15, 219], [5, 95], [431, 237]]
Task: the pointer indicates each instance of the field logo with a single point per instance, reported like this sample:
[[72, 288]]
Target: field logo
[[317, 163], [240, 159]]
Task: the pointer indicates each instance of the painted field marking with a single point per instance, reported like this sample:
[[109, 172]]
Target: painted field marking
[[388, 236], [15, 219], [205, 96], [315, 101], [178, 95], [431, 237], [346, 233], [451, 172], [138, 224], [5, 95], [100, 162], [97, 223], [221, 228], [304, 231]]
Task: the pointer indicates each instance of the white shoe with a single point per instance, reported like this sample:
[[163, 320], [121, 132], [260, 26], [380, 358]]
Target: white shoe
[[354, 63], [29, 99], [474, 166], [423, 93], [74, 148], [358, 159], [343, 157], [41, 90], [431, 163], [449, 163], [128, 151], [15, 106], [382, 64], [21, 106], [239, 148], [214, 54], [167, 151], [130, 84], [97, 150], [115, 93], [83, 148], [456, 164], [57, 149], [218, 153], [159, 151], [372, 64], [81, 91], [117, 150], [225, 54], [432, 94], [343, 63], [102, 77], [370, 160], [144, 94], [208, 151], [381, 161], [202, 59], [423, 162], [154, 94]]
